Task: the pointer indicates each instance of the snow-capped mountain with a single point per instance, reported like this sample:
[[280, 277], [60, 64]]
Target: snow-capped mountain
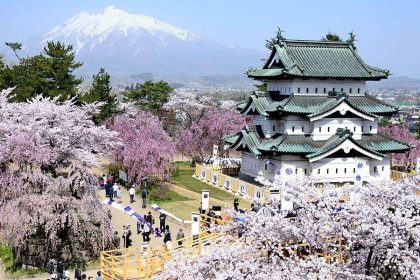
[[125, 43]]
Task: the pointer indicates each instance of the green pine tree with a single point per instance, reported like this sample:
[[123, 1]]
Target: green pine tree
[[101, 92], [49, 73], [60, 63], [150, 95]]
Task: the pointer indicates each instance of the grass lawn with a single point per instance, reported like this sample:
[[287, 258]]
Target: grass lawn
[[183, 178]]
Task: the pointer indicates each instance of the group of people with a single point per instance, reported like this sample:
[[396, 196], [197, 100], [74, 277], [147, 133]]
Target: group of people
[[57, 271], [112, 189], [144, 227]]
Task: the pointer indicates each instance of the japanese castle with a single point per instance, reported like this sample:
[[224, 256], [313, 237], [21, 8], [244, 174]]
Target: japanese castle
[[315, 117]]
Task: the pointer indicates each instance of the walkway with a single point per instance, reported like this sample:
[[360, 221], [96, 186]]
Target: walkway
[[119, 219]]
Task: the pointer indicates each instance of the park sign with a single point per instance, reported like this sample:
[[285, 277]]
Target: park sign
[[123, 175]]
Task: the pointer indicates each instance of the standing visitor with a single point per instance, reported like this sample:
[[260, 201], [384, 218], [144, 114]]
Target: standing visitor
[[138, 226], [132, 191], [119, 195], [150, 219], [52, 268], [78, 273], [146, 234], [60, 270], [128, 237], [167, 235], [144, 197], [236, 204], [180, 235], [115, 189], [98, 275], [162, 221], [124, 235]]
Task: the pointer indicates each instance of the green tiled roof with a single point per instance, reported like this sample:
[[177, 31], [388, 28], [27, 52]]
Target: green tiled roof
[[384, 144], [313, 105], [316, 59], [336, 140], [231, 138], [253, 138]]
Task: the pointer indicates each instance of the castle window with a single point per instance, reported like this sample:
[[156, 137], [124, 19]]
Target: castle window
[[307, 90], [325, 90], [333, 89], [345, 170], [305, 171], [350, 90], [298, 89], [328, 171], [358, 90], [296, 171], [328, 129], [293, 129], [363, 128], [342, 89], [336, 171], [316, 90], [383, 168], [354, 129], [319, 170], [303, 129], [370, 128], [354, 170], [319, 129], [274, 128], [375, 169]]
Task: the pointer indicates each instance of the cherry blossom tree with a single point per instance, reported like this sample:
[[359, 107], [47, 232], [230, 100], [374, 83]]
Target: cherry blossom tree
[[402, 133], [368, 232], [199, 138], [47, 190], [146, 149]]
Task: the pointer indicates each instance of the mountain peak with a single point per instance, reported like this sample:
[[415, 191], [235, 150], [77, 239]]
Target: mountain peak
[[111, 20], [113, 11]]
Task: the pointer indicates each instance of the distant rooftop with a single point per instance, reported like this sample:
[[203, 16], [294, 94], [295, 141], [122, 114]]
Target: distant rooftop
[[316, 59]]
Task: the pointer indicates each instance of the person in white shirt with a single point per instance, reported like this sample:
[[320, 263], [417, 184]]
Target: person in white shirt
[[132, 191], [115, 189]]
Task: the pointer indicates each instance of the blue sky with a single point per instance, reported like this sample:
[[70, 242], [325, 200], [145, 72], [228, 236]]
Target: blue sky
[[388, 32]]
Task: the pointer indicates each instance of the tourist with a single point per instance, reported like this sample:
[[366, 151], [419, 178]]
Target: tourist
[[117, 240], [78, 273], [167, 235], [101, 183], [128, 240], [115, 189], [52, 268], [144, 220], [138, 226], [180, 235], [98, 275], [236, 204], [162, 221], [60, 269], [124, 235], [144, 197], [132, 191], [119, 195], [146, 233], [150, 219]]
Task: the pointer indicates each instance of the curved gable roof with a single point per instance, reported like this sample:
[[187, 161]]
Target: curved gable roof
[[317, 59]]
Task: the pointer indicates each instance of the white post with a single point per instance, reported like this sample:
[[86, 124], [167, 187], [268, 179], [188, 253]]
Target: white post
[[195, 224], [205, 198]]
